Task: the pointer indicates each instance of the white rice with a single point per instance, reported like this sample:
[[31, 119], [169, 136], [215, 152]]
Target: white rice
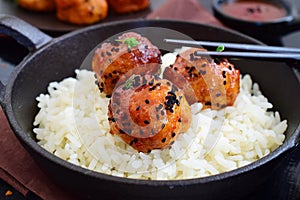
[[72, 124]]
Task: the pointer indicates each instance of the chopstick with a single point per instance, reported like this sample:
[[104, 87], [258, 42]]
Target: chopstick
[[248, 47], [249, 54], [263, 51]]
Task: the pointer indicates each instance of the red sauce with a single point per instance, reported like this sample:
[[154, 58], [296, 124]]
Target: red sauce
[[258, 11]]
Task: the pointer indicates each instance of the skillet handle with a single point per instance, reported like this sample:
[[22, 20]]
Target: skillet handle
[[25, 34]]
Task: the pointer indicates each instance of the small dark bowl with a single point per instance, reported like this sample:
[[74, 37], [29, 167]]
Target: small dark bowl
[[269, 31]]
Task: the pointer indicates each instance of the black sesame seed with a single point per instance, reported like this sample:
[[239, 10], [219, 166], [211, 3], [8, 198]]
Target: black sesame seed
[[174, 88], [152, 132], [124, 117], [115, 43], [208, 103], [129, 50], [171, 93], [173, 134], [133, 141], [172, 143], [128, 131], [157, 117], [192, 57], [168, 83], [108, 96], [115, 72], [147, 101], [159, 107], [138, 108], [146, 122], [224, 83], [121, 131], [136, 81], [146, 46], [114, 49], [163, 140], [217, 61], [162, 112], [204, 65], [149, 151], [218, 94], [141, 132], [152, 88], [108, 53], [157, 77], [179, 120], [163, 126], [151, 82], [114, 81], [202, 72], [144, 81], [110, 75], [224, 74], [230, 67]]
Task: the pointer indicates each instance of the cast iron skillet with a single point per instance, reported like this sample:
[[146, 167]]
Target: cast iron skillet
[[55, 59]]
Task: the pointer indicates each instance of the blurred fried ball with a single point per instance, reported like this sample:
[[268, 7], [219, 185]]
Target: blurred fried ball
[[38, 5], [81, 11], [127, 6]]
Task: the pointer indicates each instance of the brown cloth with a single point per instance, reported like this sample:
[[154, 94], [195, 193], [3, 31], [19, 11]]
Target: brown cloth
[[16, 165], [19, 170]]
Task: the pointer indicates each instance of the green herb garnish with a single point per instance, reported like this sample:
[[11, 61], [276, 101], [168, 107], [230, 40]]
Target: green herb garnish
[[220, 48], [130, 42], [129, 83]]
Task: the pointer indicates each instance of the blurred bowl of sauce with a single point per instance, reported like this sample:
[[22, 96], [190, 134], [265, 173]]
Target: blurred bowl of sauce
[[266, 20]]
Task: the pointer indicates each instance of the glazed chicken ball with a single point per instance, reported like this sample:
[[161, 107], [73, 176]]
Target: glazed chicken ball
[[115, 58], [213, 82], [148, 112]]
